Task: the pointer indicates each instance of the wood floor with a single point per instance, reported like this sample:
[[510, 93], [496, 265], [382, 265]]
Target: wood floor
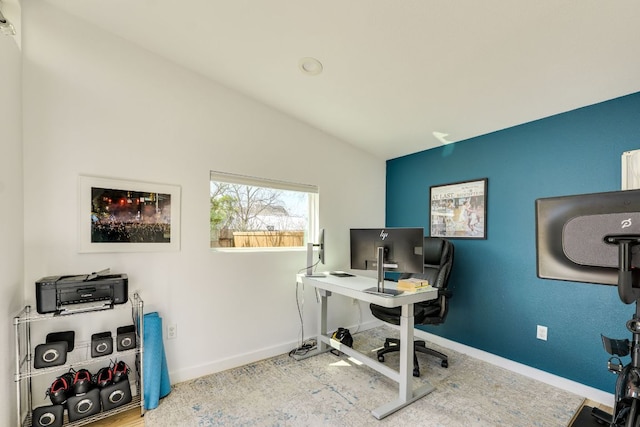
[[593, 404], [129, 418], [588, 402]]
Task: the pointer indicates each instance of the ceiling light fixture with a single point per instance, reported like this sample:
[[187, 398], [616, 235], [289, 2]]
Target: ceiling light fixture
[[310, 66], [441, 137]]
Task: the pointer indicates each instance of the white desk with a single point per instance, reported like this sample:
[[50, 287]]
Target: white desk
[[354, 287]]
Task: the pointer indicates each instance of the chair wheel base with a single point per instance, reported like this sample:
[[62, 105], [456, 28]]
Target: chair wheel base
[[393, 345]]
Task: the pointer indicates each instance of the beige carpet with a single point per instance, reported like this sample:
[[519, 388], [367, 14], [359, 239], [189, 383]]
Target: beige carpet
[[327, 390]]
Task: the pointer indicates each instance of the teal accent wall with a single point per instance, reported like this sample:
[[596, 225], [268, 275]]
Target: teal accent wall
[[498, 299]]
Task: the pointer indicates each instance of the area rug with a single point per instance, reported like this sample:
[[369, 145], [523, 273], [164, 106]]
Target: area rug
[[330, 390]]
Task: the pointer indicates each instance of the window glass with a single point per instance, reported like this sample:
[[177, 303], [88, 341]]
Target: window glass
[[249, 212]]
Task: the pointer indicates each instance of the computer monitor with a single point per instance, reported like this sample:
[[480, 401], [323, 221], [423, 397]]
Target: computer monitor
[[403, 248], [321, 246], [578, 238]]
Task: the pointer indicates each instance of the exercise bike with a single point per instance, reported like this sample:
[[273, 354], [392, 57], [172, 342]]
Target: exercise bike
[[626, 411]]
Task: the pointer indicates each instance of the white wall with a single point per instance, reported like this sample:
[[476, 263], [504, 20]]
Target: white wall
[[97, 105], [11, 223]]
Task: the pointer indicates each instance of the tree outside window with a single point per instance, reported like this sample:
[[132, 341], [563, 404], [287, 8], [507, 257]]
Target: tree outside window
[[244, 214]]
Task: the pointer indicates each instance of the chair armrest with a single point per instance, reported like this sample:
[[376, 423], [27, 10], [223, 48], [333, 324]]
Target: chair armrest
[[445, 293]]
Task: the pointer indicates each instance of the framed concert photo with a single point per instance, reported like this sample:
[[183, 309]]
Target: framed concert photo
[[127, 216], [459, 210]]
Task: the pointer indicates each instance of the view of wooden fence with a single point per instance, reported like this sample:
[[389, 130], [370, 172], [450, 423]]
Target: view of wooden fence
[[257, 239]]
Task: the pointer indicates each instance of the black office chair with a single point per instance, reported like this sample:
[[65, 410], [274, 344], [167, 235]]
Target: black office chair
[[438, 260]]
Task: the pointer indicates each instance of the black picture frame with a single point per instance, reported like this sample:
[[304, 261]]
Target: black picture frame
[[459, 210]]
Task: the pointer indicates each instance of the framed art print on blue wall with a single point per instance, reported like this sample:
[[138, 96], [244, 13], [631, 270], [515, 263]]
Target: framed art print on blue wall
[[459, 210]]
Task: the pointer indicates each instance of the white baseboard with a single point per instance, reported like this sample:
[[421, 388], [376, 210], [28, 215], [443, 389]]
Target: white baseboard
[[574, 387], [193, 372], [265, 353]]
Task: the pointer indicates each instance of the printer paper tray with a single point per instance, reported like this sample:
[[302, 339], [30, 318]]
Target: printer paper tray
[[84, 307]]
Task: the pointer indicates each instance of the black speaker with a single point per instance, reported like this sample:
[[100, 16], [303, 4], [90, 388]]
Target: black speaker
[[115, 395], [50, 354], [126, 338], [67, 336], [83, 405], [101, 344], [47, 416]]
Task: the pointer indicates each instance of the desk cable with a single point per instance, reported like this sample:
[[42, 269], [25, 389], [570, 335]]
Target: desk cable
[[305, 346]]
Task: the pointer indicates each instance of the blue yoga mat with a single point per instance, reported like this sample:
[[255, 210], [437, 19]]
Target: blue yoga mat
[[156, 373]]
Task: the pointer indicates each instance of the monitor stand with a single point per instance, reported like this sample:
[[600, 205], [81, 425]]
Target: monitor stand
[[310, 265], [380, 290]]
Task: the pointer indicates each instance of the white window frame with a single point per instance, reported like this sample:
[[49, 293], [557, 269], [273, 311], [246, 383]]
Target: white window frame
[[313, 228]]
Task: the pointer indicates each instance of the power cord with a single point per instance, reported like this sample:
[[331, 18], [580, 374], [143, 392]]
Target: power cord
[[305, 346], [312, 267], [309, 345]]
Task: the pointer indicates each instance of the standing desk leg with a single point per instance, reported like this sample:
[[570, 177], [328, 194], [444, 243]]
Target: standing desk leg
[[406, 353], [406, 393], [322, 321]]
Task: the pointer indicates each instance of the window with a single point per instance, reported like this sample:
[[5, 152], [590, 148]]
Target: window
[[248, 212]]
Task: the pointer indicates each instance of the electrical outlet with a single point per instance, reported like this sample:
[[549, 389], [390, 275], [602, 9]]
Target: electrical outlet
[[172, 331], [541, 333]]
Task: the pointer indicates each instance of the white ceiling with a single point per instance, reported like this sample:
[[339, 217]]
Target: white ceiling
[[395, 71]]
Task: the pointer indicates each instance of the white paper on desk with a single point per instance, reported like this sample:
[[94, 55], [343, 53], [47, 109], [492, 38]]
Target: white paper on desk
[[417, 290]]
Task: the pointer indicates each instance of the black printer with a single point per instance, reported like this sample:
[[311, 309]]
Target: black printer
[[60, 293]]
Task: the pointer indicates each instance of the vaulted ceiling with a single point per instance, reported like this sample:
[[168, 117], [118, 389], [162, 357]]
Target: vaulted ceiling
[[394, 72]]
